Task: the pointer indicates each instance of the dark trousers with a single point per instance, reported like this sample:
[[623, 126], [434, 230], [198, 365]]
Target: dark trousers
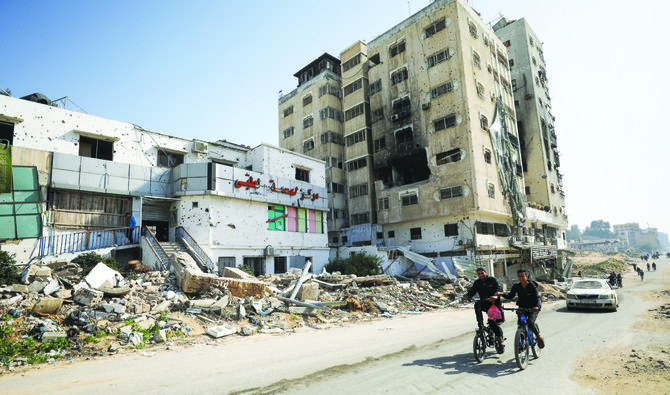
[[530, 320], [485, 305]]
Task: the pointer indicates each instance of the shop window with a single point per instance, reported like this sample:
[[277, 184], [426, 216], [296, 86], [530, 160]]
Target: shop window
[[276, 217]]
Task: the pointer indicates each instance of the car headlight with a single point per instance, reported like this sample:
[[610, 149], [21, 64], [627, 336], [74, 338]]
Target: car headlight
[[606, 296], [571, 296]]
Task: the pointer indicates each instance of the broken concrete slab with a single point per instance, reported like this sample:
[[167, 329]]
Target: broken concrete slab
[[48, 337], [11, 301], [302, 310], [88, 297], [220, 330], [308, 291], [243, 288], [136, 339], [233, 272], [63, 293], [37, 286], [48, 306], [100, 274], [160, 336], [146, 324], [19, 288], [51, 287], [241, 312]]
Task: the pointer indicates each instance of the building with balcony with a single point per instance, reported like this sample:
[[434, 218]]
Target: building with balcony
[[76, 175]]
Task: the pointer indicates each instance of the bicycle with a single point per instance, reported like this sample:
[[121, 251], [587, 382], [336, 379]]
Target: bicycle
[[485, 337], [524, 339]]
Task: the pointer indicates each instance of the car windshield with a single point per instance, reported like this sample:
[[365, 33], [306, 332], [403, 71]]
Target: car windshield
[[588, 285]]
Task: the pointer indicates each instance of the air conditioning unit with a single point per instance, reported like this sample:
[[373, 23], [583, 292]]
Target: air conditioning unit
[[199, 147], [269, 251], [425, 106], [395, 117]]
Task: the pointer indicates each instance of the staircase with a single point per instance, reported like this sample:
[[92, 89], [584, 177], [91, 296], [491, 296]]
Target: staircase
[[173, 247]]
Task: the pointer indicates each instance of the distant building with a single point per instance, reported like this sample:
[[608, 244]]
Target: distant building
[[607, 245]]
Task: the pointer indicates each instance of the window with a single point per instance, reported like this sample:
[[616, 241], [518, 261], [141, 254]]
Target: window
[[491, 190], [334, 187], [332, 161], [345, 239], [451, 192], [507, 43], [511, 62], [527, 190], [308, 145], [415, 233], [357, 164], [553, 188], [279, 264], [289, 132], [7, 132], [450, 156], [438, 58], [358, 190], [403, 135], [355, 137], [306, 75], [315, 221], [20, 215], [225, 261], [480, 89], [330, 112], [435, 27], [351, 63], [534, 61], [445, 123], [382, 204], [276, 217], [442, 89], [450, 230], [401, 108], [288, 111], [377, 115], [353, 87], [301, 174], [330, 89], [391, 234], [379, 144], [169, 159], [335, 240], [476, 59], [397, 48], [399, 76], [332, 137], [380, 235], [484, 122], [307, 122], [357, 219], [375, 87], [530, 39], [71, 209], [484, 228], [95, 148], [410, 199], [306, 100], [473, 29], [354, 112], [501, 230], [487, 155]]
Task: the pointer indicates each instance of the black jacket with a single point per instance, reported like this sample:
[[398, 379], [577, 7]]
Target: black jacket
[[529, 297], [485, 289]]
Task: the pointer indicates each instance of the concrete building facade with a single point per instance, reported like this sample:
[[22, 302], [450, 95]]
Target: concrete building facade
[[75, 173]]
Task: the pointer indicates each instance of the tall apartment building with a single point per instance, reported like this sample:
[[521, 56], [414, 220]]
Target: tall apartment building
[[535, 123], [432, 156], [310, 122]]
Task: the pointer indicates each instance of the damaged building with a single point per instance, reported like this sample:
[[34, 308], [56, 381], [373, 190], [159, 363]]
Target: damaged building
[[433, 158], [72, 177]]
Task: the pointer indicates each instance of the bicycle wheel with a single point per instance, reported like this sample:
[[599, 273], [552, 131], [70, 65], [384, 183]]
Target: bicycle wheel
[[521, 349], [537, 351], [479, 347]]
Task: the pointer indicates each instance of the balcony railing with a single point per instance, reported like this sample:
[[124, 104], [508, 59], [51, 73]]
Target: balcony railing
[[86, 241], [180, 231]]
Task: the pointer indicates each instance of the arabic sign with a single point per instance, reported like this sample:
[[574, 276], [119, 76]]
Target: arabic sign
[[251, 183], [544, 252]]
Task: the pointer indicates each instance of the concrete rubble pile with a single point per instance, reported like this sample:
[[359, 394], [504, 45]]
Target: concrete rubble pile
[[56, 301]]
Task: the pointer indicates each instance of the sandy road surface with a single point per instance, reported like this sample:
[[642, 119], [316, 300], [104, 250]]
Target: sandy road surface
[[427, 353]]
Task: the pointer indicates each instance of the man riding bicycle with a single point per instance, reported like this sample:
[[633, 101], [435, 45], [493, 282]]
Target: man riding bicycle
[[529, 298], [486, 287]]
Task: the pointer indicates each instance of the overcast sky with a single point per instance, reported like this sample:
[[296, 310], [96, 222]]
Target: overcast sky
[[213, 70]]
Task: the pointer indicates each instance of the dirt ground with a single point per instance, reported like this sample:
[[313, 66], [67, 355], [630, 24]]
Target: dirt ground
[[640, 362]]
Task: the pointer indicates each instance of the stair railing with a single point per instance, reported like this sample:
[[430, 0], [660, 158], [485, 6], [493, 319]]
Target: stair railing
[[180, 231], [157, 247]]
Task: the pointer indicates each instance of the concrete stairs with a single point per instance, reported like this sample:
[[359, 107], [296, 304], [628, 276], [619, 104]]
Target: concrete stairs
[[173, 247]]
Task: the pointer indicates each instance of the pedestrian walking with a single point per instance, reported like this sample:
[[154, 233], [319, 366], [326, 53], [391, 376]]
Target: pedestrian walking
[[641, 275]]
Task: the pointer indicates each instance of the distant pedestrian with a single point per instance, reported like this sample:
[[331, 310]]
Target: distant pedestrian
[[653, 266], [635, 266], [641, 275], [579, 274], [132, 223], [648, 267]]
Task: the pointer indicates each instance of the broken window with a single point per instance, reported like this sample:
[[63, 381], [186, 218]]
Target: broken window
[[491, 190], [484, 122], [332, 137], [415, 233], [410, 199], [487, 155], [362, 218], [358, 190], [354, 112], [399, 76], [382, 204], [379, 144], [444, 123], [301, 174], [307, 122], [355, 137], [450, 156], [353, 87], [507, 43], [169, 159], [330, 112], [289, 132], [438, 58], [451, 192], [403, 135], [357, 164], [375, 87], [397, 48], [442, 89], [96, 148], [435, 27], [377, 115], [351, 62], [476, 59], [306, 100], [406, 169], [450, 230], [308, 145], [401, 109]]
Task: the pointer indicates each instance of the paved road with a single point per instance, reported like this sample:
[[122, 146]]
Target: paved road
[[427, 353]]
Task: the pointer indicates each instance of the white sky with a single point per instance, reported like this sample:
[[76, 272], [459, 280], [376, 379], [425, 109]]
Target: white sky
[[213, 69]]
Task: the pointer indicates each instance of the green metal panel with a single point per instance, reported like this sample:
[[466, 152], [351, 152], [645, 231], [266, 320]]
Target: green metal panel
[[6, 209], [5, 168], [27, 208], [7, 228], [28, 226], [25, 179]]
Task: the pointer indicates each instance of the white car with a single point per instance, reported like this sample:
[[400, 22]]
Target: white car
[[592, 293]]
